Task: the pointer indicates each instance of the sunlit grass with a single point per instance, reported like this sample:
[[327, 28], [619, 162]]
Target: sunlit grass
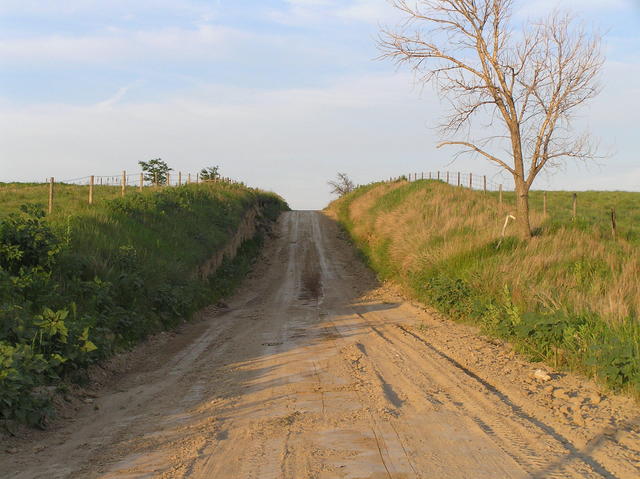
[[572, 288]]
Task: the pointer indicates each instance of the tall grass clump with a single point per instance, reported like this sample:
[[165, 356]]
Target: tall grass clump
[[569, 297], [86, 282]]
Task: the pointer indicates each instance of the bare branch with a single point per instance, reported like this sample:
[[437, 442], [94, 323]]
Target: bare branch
[[341, 185], [473, 147], [527, 86]]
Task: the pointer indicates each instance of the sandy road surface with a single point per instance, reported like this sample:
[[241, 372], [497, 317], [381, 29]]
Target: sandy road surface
[[313, 373]]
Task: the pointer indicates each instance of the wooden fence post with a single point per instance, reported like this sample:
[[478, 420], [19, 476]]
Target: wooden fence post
[[484, 179], [613, 223], [470, 181], [544, 204], [141, 181], [447, 177], [438, 175], [422, 175], [51, 182], [179, 178], [429, 175], [189, 179], [575, 206], [458, 178], [123, 182], [91, 190]]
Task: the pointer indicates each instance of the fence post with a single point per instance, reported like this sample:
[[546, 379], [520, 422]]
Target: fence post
[[197, 178], [141, 181], [422, 175], [544, 204], [179, 178], [500, 195], [575, 205], [51, 181], [447, 177], [470, 181], [189, 179], [91, 190], [484, 179], [613, 223], [123, 182], [458, 178]]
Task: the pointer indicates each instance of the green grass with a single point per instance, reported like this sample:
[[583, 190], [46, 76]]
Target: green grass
[[68, 199], [570, 296], [88, 281], [593, 210]]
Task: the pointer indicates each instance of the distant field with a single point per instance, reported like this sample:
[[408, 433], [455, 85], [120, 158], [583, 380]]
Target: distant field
[[69, 199], [593, 211]]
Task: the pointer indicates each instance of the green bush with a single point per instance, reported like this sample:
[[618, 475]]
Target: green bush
[[78, 289]]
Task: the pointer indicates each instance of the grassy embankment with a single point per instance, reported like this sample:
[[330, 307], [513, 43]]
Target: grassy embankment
[[88, 281], [570, 296]]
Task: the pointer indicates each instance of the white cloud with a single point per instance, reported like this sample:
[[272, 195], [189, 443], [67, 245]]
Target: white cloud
[[315, 12], [205, 41], [536, 8], [116, 97], [106, 7]]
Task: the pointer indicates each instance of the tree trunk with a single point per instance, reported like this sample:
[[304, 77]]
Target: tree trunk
[[522, 210]]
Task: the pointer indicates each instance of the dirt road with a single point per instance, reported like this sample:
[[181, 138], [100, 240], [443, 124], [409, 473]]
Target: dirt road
[[315, 372]]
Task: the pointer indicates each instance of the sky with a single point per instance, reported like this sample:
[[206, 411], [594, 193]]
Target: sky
[[282, 94]]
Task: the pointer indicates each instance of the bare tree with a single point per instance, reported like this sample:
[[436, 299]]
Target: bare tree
[[525, 85], [341, 185]]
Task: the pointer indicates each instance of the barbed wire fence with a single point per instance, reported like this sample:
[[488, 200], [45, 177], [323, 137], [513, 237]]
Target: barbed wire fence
[[472, 181], [478, 182], [124, 183]]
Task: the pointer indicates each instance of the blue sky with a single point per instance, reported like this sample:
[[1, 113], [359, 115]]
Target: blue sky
[[281, 94]]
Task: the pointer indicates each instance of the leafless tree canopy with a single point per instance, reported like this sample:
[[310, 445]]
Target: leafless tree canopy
[[341, 185], [528, 83]]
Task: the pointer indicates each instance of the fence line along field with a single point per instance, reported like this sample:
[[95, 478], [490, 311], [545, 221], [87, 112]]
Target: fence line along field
[[607, 214], [66, 196]]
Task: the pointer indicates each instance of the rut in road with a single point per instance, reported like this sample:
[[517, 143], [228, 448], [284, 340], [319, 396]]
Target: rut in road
[[307, 375]]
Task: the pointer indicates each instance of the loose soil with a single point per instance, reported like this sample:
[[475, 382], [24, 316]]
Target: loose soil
[[314, 370]]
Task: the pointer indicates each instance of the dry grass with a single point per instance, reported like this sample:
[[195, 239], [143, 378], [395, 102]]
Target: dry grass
[[437, 223], [426, 232]]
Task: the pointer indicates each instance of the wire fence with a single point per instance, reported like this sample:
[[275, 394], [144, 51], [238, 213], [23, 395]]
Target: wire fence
[[561, 205], [122, 184], [472, 181], [140, 180]]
